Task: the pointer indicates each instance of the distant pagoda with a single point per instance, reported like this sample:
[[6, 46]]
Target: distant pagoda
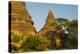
[[49, 24], [21, 22]]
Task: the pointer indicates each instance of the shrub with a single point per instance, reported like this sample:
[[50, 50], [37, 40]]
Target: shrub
[[36, 43]]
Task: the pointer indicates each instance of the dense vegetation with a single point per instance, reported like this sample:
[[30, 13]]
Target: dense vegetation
[[65, 37]]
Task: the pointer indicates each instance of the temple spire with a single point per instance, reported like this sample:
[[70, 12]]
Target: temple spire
[[50, 24], [21, 21], [50, 16]]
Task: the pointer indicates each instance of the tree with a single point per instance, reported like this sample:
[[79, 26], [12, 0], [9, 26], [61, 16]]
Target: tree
[[73, 33], [69, 36], [62, 22]]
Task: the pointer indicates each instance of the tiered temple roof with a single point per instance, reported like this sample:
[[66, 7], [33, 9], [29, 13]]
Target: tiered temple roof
[[21, 22]]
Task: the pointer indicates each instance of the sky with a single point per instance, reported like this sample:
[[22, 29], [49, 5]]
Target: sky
[[39, 12]]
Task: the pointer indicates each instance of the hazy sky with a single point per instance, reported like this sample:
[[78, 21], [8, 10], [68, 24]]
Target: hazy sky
[[39, 12]]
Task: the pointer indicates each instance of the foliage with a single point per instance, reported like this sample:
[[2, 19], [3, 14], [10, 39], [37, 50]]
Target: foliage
[[16, 38], [68, 34], [62, 20], [58, 39], [73, 33], [36, 43]]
